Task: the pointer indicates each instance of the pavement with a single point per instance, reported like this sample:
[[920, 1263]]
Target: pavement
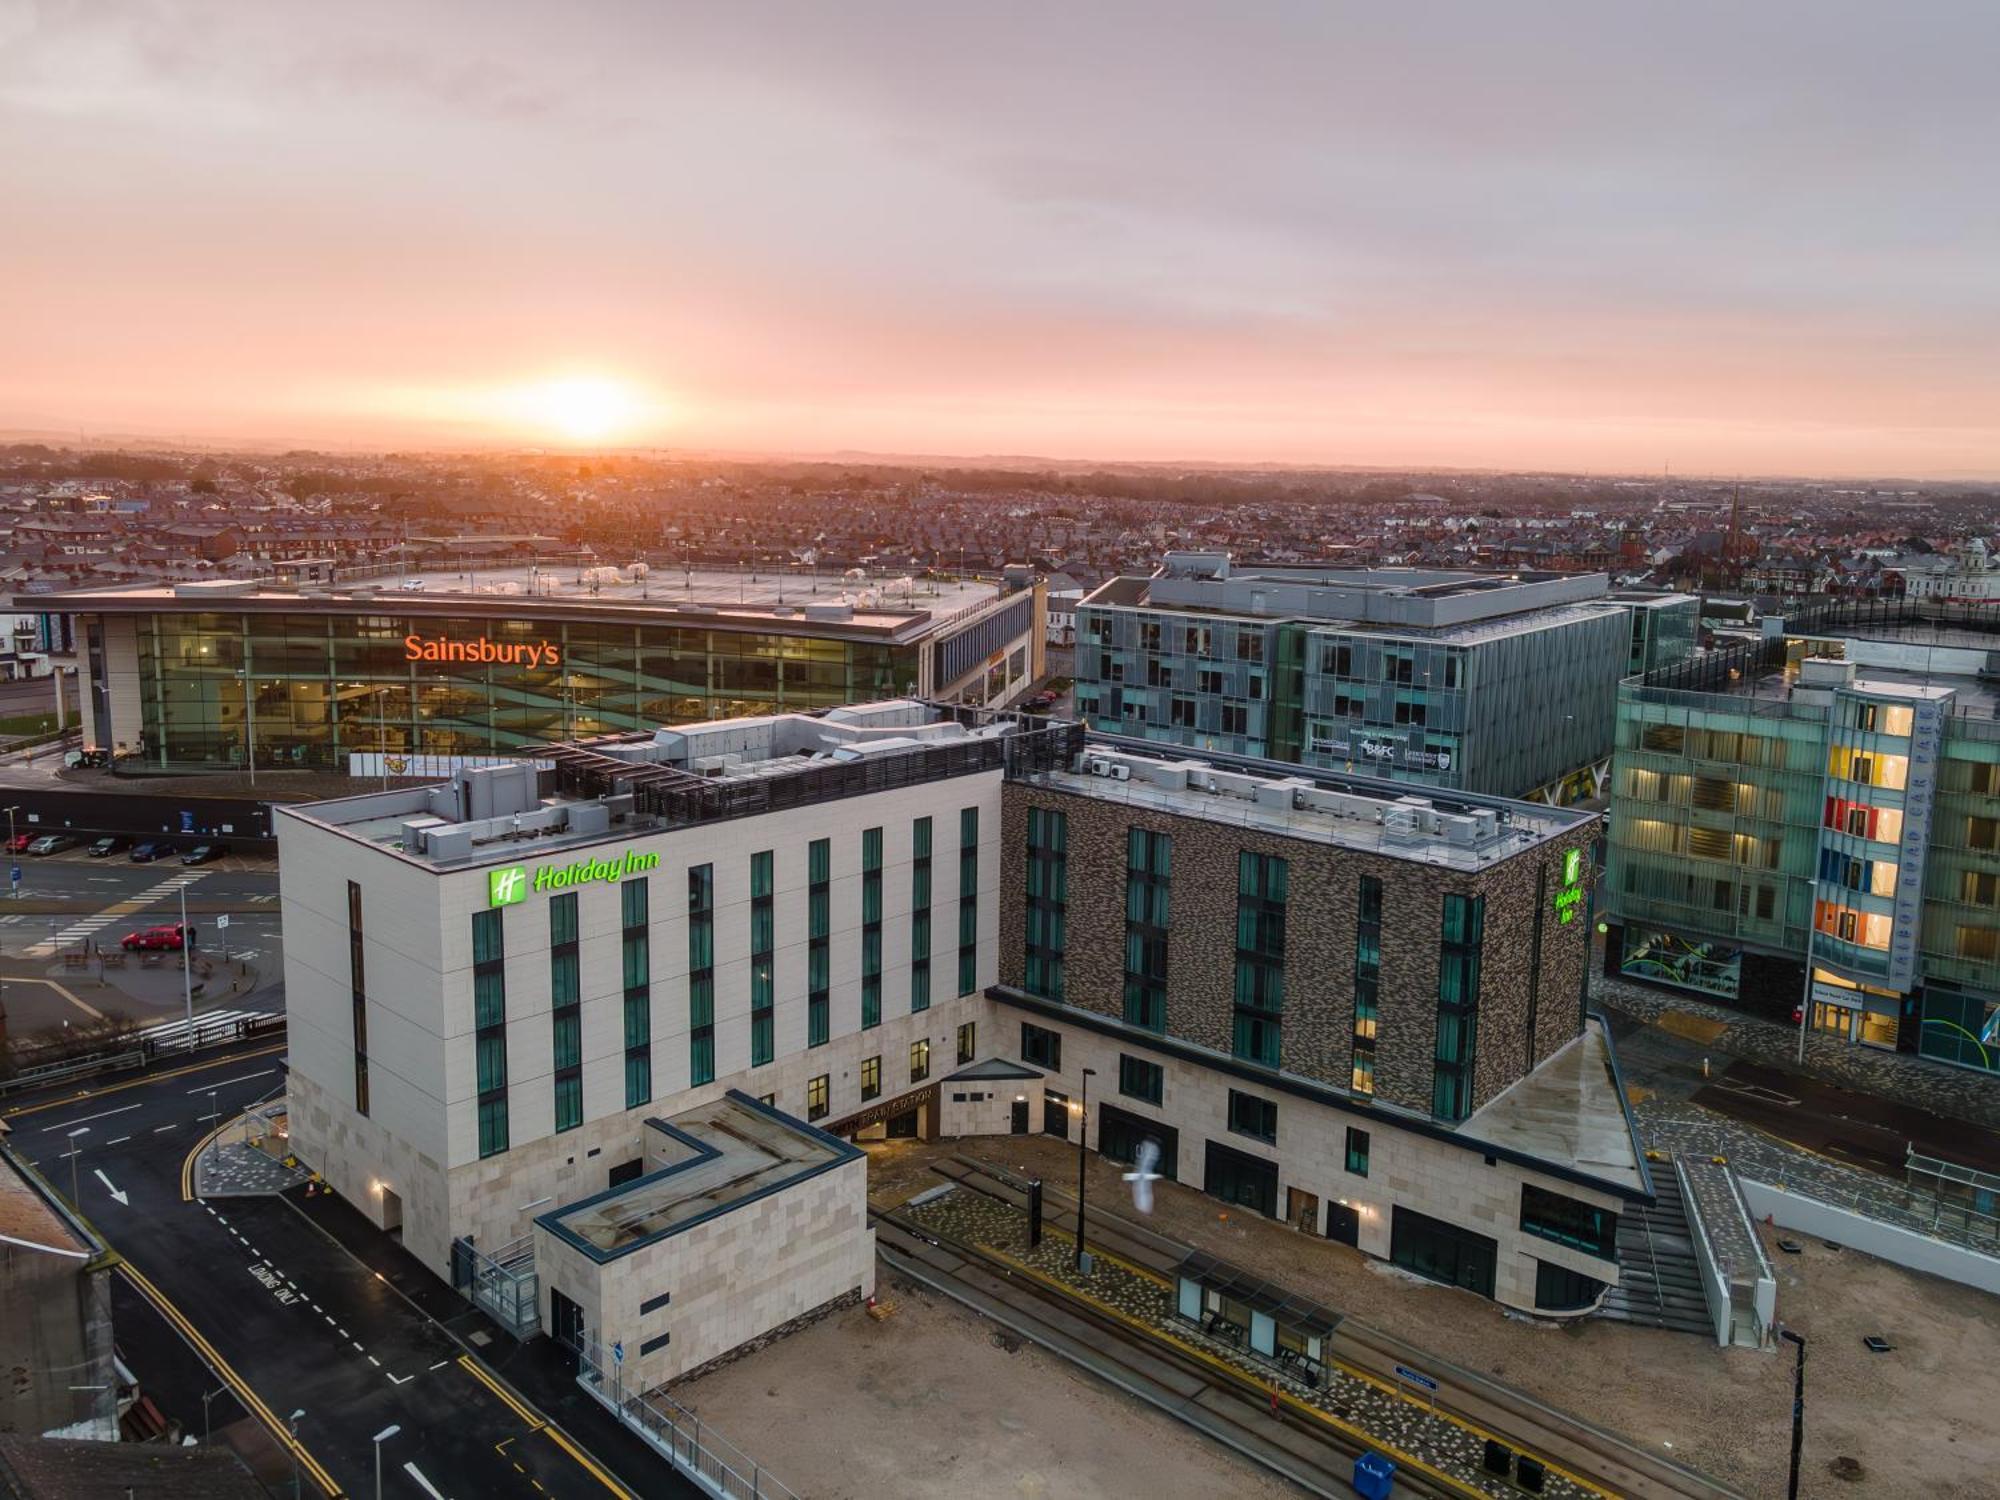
[[278, 1309]]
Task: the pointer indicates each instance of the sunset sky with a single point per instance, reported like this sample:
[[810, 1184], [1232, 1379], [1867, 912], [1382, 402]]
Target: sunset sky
[[1727, 238]]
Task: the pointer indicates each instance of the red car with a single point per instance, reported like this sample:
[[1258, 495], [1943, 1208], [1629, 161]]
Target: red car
[[168, 938], [18, 844]]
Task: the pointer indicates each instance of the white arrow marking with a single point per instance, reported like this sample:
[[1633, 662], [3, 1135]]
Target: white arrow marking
[[418, 1474], [112, 1190]]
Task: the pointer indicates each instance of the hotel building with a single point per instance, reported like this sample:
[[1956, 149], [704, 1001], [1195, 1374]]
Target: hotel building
[[586, 1037], [478, 664], [1504, 684]]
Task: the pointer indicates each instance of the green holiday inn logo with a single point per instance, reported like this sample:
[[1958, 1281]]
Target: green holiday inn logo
[[505, 887], [1572, 866], [1569, 899]]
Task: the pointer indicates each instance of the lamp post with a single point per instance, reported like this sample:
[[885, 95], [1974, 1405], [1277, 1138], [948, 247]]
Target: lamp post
[[187, 971], [13, 854], [1798, 1406], [292, 1426], [379, 1439], [75, 1150], [1082, 1160], [207, 1430]]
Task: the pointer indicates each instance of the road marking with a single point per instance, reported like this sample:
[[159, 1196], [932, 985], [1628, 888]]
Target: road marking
[[539, 1424], [81, 1004], [357, 1347], [198, 1119], [118, 1140], [86, 1119], [232, 1061], [227, 1081], [372, 1359], [123, 1198], [401, 1379], [440, 1364], [418, 1474], [158, 1128], [188, 1331]]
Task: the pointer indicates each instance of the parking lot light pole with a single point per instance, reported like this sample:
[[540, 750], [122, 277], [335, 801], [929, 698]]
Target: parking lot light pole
[[1082, 1159], [292, 1426], [75, 1150], [379, 1439]]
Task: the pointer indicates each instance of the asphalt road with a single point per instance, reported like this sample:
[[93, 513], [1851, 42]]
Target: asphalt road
[[1864, 1130], [284, 1315]]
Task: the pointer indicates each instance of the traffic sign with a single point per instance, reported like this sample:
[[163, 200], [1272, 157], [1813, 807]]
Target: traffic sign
[[223, 920], [14, 873], [1415, 1378], [618, 1352]]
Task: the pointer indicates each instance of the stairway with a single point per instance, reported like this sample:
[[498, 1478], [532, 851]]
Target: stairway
[[1659, 1285]]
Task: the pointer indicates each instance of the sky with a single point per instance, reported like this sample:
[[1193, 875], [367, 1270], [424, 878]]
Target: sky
[[1715, 238]]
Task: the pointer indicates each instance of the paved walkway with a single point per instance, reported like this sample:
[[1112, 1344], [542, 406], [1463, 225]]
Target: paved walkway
[[234, 1169], [1959, 1093], [1381, 1415]]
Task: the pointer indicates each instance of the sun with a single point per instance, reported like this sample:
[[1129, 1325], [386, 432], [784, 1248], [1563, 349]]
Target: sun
[[584, 409]]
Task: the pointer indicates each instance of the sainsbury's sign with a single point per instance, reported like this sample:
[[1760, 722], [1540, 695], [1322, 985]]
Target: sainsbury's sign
[[481, 651]]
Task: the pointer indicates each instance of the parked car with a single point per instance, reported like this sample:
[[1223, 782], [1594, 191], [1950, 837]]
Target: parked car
[[145, 852], [52, 843], [169, 939], [104, 846], [201, 854], [18, 844]]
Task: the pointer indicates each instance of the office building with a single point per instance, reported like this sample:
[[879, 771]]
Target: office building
[[1826, 799], [454, 666], [1501, 684]]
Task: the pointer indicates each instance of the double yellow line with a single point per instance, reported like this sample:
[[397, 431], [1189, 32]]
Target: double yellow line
[[235, 1382], [541, 1424]]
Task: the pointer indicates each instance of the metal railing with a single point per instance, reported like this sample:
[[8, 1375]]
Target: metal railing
[[694, 1448], [504, 1285]]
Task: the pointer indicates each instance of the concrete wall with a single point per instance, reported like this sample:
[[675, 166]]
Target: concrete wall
[[1902, 1247], [1450, 1182], [730, 1279], [988, 1106]]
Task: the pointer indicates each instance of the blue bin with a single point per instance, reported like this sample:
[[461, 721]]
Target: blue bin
[[1374, 1476]]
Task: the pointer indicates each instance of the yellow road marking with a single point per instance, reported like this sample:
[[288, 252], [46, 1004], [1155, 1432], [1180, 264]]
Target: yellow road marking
[[542, 1424], [133, 1083], [188, 1161], [236, 1383]]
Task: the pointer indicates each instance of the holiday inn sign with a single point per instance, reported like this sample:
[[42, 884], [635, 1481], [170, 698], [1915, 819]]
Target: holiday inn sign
[[505, 887]]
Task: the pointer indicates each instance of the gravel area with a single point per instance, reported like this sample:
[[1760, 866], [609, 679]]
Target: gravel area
[[1723, 1411], [935, 1400]]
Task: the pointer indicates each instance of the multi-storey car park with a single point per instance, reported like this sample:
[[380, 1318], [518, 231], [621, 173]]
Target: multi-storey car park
[[1497, 683], [583, 1036], [298, 671], [1824, 802]]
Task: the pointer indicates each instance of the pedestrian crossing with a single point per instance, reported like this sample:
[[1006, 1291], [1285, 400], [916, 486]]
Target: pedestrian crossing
[[90, 926], [172, 1033]]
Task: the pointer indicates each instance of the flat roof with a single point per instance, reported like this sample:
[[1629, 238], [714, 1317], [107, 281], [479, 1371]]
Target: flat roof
[[897, 605], [1571, 1110], [719, 1157]]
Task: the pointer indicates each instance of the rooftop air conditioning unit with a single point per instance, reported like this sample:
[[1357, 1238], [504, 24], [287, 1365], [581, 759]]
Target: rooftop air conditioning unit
[[1120, 771], [1097, 767]]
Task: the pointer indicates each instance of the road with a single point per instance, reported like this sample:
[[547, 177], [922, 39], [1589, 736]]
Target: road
[[286, 1317]]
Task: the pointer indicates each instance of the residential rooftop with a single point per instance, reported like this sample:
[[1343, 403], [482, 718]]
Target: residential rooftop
[[1456, 830], [700, 1164]]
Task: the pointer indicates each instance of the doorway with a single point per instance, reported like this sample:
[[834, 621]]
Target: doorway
[[392, 1214], [1020, 1121], [1343, 1224], [1055, 1114], [1302, 1209], [566, 1327]]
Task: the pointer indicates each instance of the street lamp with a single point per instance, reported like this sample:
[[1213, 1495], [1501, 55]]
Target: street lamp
[[378, 1440], [206, 1397], [1082, 1160], [292, 1426], [1798, 1405], [12, 853], [75, 1151]]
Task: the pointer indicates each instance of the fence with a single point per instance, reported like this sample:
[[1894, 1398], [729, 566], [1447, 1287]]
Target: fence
[[697, 1450], [504, 1285]]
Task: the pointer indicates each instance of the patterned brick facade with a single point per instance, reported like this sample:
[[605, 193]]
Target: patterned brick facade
[[1319, 942]]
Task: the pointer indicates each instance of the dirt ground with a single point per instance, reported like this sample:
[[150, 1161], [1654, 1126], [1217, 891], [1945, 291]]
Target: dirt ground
[[936, 1400], [1917, 1421]]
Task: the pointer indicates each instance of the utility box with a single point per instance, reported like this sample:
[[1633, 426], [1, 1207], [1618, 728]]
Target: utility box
[[1374, 1476]]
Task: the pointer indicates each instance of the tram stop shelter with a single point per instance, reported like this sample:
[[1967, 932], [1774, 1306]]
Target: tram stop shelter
[[1239, 1308]]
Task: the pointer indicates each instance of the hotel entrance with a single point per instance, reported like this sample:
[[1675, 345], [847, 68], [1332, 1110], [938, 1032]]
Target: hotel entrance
[[1854, 1015]]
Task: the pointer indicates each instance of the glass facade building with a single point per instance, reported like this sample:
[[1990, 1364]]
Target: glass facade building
[[1821, 815]]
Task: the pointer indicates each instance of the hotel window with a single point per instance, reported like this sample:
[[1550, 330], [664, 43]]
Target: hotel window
[[819, 942], [1261, 882], [1139, 1079], [871, 927], [635, 912], [1457, 1047], [1041, 1047], [489, 1027], [1254, 1117], [816, 1097], [1048, 883], [566, 1010], [357, 990], [701, 975], [1367, 983], [967, 1041], [871, 1077], [1357, 1151], [920, 1061], [920, 915], [968, 900], [763, 960], [1149, 859], [1568, 1221]]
